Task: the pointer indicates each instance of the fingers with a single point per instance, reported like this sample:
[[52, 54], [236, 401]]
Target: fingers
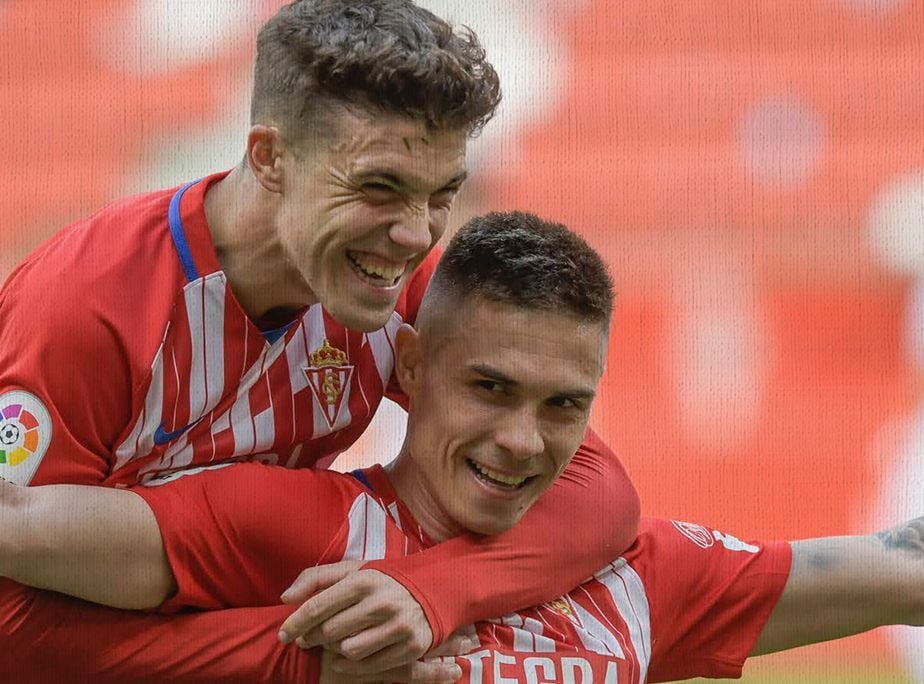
[[313, 580], [319, 608], [431, 671], [375, 650], [331, 632], [458, 643]]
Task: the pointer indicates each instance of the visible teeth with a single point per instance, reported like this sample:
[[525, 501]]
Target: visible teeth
[[372, 265], [508, 480]]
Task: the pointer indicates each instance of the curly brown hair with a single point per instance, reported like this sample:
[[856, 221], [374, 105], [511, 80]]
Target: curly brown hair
[[385, 55]]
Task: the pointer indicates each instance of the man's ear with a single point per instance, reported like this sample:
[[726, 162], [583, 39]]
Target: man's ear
[[409, 365], [264, 156]]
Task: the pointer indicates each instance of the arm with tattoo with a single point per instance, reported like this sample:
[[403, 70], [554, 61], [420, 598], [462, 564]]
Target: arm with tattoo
[[840, 586]]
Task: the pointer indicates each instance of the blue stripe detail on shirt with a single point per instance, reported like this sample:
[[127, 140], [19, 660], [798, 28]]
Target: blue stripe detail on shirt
[[272, 335], [179, 237], [361, 476]]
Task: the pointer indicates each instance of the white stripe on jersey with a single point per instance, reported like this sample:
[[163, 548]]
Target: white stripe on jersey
[[366, 538], [170, 477], [296, 351], [205, 311], [382, 343], [243, 425], [529, 638], [594, 635], [179, 454], [395, 514], [264, 425], [628, 593], [140, 440]]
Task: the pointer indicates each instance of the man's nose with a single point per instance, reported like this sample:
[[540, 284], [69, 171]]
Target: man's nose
[[520, 436], [413, 231]]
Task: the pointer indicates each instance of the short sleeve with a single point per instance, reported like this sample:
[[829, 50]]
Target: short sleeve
[[238, 535], [65, 389], [709, 594]]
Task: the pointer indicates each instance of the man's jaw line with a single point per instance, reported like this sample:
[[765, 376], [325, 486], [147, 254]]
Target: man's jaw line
[[414, 491]]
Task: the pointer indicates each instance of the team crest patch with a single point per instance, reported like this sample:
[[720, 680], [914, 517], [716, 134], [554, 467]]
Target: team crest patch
[[562, 607], [25, 433], [697, 534], [329, 375]]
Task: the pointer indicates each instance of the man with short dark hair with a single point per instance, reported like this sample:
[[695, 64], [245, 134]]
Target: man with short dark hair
[[251, 315], [499, 398]]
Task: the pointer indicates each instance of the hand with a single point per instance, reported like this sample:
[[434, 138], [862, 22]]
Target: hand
[[439, 666], [430, 671], [365, 616]]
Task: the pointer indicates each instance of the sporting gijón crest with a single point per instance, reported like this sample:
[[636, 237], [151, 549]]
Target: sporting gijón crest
[[329, 375]]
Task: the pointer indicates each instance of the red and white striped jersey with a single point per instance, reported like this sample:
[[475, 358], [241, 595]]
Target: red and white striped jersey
[[683, 601], [124, 355]]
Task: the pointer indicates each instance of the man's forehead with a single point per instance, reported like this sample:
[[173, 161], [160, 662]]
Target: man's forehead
[[393, 133], [523, 344]]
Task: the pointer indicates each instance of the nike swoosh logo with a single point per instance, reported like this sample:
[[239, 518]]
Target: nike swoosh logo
[[161, 437]]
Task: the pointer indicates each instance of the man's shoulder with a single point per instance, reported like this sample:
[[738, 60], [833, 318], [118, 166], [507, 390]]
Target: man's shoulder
[[117, 263], [260, 483], [128, 234]]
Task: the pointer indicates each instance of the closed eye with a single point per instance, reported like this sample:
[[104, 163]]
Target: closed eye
[[379, 191], [565, 402], [490, 385]]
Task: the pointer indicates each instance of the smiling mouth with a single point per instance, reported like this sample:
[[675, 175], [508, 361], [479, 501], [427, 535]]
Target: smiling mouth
[[375, 270], [497, 479]]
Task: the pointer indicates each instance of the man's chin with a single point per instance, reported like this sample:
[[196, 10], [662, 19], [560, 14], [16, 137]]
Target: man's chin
[[489, 526], [361, 318]]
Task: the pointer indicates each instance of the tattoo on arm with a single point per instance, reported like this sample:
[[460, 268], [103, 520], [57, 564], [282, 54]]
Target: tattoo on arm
[[908, 537]]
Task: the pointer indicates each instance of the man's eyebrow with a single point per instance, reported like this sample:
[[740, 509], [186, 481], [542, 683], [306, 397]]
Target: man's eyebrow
[[494, 374], [576, 393]]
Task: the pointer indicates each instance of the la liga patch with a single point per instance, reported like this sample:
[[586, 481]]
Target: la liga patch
[[25, 433]]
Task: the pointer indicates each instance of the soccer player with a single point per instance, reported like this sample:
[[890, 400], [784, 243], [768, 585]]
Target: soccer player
[[500, 375], [251, 315]]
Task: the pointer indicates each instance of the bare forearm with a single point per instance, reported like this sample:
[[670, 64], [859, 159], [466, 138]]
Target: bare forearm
[[95, 543], [840, 586]]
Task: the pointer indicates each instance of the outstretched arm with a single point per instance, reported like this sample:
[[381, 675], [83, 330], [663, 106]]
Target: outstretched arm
[[96, 543], [840, 586]]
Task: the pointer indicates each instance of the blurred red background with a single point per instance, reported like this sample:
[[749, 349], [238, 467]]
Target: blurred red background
[[752, 170]]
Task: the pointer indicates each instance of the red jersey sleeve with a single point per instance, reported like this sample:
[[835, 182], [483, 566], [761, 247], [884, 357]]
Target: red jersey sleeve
[[709, 595], [239, 535], [65, 392], [50, 638], [587, 518]]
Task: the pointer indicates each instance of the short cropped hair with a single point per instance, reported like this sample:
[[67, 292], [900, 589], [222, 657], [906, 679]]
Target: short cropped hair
[[521, 259], [387, 55]]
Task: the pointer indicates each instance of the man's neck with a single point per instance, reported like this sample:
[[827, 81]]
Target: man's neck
[[414, 492], [239, 214]]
